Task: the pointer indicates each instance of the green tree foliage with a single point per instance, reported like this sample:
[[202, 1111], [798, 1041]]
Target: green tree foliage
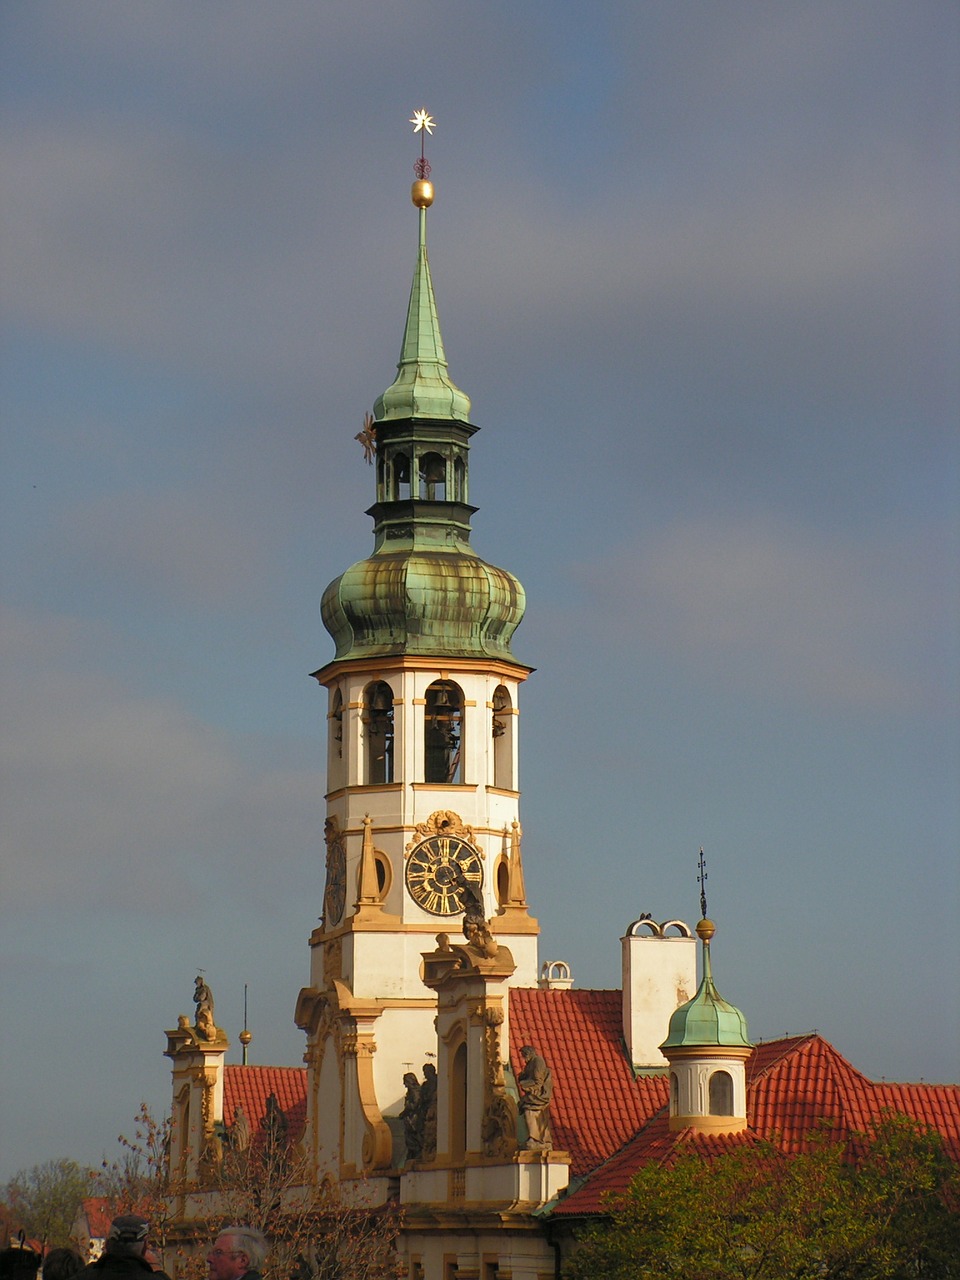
[[44, 1200], [755, 1213]]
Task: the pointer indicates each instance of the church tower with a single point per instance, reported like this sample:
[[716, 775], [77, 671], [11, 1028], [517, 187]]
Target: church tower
[[422, 807]]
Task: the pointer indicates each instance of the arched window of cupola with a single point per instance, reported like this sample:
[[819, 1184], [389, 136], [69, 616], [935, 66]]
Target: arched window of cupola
[[501, 728], [458, 1104], [674, 1093], [443, 733], [400, 487], [459, 480], [433, 477], [378, 733], [721, 1094]]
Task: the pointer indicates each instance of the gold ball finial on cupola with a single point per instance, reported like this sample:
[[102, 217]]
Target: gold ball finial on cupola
[[421, 193]]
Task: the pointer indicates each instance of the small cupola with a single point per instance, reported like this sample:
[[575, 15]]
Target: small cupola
[[707, 1049]]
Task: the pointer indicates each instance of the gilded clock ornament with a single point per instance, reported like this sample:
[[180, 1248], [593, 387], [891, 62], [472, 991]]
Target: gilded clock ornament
[[444, 875]]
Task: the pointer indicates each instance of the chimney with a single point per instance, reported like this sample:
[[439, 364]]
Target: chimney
[[659, 975]]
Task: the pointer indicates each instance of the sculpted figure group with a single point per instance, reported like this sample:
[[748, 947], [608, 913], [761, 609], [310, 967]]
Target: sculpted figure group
[[419, 1114]]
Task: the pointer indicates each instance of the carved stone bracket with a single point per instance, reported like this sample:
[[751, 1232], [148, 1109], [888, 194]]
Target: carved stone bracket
[[499, 1124]]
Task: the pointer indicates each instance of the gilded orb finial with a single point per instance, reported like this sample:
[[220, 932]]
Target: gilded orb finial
[[706, 929], [421, 193]]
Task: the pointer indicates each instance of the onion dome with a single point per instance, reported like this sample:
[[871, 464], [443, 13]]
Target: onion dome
[[421, 602], [707, 1020]]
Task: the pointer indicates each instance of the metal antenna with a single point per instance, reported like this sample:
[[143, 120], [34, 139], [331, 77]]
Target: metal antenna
[[702, 879]]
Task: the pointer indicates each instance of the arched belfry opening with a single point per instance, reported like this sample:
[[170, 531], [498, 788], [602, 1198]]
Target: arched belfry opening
[[501, 730], [433, 477], [443, 733], [399, 480], [378, 733], [335, 755]]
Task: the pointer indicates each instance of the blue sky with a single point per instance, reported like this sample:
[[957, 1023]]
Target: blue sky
[[697, 268]]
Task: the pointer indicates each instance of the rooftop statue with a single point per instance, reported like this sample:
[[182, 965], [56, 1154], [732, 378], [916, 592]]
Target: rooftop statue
[[204, 1024], [535, 1083]]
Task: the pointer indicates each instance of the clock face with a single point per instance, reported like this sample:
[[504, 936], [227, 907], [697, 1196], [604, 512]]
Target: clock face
[[335, 890], [445, 875]]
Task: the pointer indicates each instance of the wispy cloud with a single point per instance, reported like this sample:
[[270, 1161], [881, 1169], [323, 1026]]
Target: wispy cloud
[[773, 609]]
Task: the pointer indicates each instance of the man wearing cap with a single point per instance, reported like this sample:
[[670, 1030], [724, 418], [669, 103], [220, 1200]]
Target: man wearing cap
[[124, 1254], [236, 1252]]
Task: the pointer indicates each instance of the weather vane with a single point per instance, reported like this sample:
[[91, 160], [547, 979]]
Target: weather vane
[[423, 123], [702, 878]]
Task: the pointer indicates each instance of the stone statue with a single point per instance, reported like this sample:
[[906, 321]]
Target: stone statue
[[275, 1130], [535, 1083], [427, 1116], [478, 936], [410, 1115], [470, 899], [240, 1133], [205, 1026]]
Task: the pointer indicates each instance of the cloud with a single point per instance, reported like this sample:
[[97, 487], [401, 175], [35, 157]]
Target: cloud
[[117, 798], [763, 607], [175, 547]]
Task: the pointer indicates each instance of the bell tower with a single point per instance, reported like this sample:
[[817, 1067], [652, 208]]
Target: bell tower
[[422, 807]]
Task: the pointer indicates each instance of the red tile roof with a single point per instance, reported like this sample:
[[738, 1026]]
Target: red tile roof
[[251, 1086], [597, 1103], [99, 1213], [792, 1086]]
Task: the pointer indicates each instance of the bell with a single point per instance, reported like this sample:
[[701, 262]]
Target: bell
[[381, 700]]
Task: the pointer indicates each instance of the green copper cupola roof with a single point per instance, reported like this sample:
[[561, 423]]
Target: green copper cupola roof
[[424, 591], [707, 1021], [423, 388]]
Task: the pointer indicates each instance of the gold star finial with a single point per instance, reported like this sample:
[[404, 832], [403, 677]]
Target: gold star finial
[[423, 120]]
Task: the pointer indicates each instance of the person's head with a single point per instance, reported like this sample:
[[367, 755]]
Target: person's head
[[61, 1264], [236, 1251], [527, 1052], [19, 1263], [127, 1237], [429, 1071]]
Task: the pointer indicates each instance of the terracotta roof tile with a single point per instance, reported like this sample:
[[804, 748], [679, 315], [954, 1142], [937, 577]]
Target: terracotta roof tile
[[793, 1085], [251, 1086], [597, 1103], [99, 1214]]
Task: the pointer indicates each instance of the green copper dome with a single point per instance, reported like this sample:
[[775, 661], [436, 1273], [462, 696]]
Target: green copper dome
[[707, 1020], [423, 602]]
